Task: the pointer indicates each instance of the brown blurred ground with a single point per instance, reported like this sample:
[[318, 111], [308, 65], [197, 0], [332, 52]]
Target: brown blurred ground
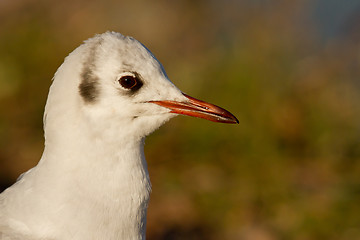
[[289, 70]]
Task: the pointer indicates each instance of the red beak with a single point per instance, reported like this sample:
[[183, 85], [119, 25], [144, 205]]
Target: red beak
[[197, 108]]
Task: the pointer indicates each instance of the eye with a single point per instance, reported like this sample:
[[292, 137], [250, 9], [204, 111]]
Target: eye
[[129, 82]]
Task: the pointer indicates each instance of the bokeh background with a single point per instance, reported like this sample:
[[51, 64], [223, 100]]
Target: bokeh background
[[289, 70]]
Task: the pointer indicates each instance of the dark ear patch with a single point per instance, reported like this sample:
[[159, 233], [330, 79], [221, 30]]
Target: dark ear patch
[[88, 87]]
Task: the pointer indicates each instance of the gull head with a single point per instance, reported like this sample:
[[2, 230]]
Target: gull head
[[92, 180], [112, 86]]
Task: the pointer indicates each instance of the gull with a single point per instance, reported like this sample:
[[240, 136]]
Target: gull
[[92, 180]]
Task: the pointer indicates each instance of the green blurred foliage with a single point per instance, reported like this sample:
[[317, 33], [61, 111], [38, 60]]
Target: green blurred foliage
[[289, 170]]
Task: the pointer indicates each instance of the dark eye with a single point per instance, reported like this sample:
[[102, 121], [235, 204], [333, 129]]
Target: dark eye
[[128, 82]]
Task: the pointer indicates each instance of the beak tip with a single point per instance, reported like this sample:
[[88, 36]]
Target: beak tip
[[231, 119], [236, 120]]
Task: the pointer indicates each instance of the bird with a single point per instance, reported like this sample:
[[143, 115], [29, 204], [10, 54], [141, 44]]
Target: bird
[[92, 181]]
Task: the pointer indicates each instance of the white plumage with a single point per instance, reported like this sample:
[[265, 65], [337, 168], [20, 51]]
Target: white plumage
[[92, 180]]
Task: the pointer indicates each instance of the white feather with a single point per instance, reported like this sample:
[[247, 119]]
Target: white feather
[[92, 180]]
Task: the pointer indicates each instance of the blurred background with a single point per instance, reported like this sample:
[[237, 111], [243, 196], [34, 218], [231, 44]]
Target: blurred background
[[289, 70]]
